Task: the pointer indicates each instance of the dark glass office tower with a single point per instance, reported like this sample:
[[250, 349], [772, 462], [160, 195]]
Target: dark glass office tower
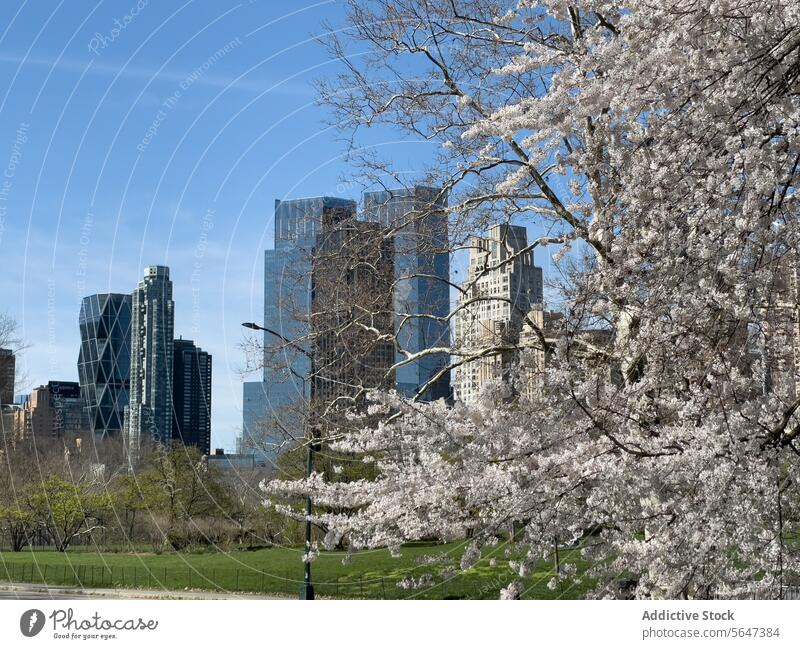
[[418, 219], [191, 395], [104, 360], [274, 410], [7, 368]]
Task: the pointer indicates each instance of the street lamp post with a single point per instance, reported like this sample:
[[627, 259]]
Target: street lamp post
[[307, 589]]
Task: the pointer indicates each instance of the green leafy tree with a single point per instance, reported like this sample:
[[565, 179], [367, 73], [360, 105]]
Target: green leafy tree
[[16, 524], [133, 498], [66, 510], [177, 485]]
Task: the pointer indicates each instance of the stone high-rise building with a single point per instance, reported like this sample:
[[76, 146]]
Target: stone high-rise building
[[502, 286], [149, 412], [104, 360], [418, 220], [7, 369], [191, 395], [12, 423]]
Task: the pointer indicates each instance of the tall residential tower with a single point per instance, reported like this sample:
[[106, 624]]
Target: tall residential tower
[[149, 413]]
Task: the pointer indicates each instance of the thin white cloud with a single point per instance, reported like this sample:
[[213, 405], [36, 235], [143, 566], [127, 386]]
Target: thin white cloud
[[138, 73]]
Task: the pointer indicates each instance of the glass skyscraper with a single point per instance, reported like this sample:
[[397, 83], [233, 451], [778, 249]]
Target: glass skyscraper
[[104, 360], [254, 412], [274, 412], [422, 273], [149, 413], [191, 395], [7, 369]]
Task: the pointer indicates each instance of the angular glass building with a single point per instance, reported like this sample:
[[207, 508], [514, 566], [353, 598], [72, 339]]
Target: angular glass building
[[104, 360], [422, 274]]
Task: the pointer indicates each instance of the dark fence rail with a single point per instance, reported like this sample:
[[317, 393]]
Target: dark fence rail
[[76, 572], [254, 580]]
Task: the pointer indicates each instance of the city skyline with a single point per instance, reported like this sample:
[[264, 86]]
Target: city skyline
[[255, 399], [313, 237], [272, 409]]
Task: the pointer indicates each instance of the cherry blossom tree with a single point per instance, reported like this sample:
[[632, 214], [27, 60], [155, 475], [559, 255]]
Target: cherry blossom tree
[[658, 142]]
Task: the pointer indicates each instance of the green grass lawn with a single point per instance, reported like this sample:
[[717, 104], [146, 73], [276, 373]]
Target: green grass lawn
[[370, 574]]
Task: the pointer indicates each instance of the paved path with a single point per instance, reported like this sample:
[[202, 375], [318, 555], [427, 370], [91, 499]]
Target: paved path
[[25, 593], [41, 591]]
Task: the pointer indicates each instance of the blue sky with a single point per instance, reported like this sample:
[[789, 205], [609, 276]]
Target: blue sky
[[140, 132]]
